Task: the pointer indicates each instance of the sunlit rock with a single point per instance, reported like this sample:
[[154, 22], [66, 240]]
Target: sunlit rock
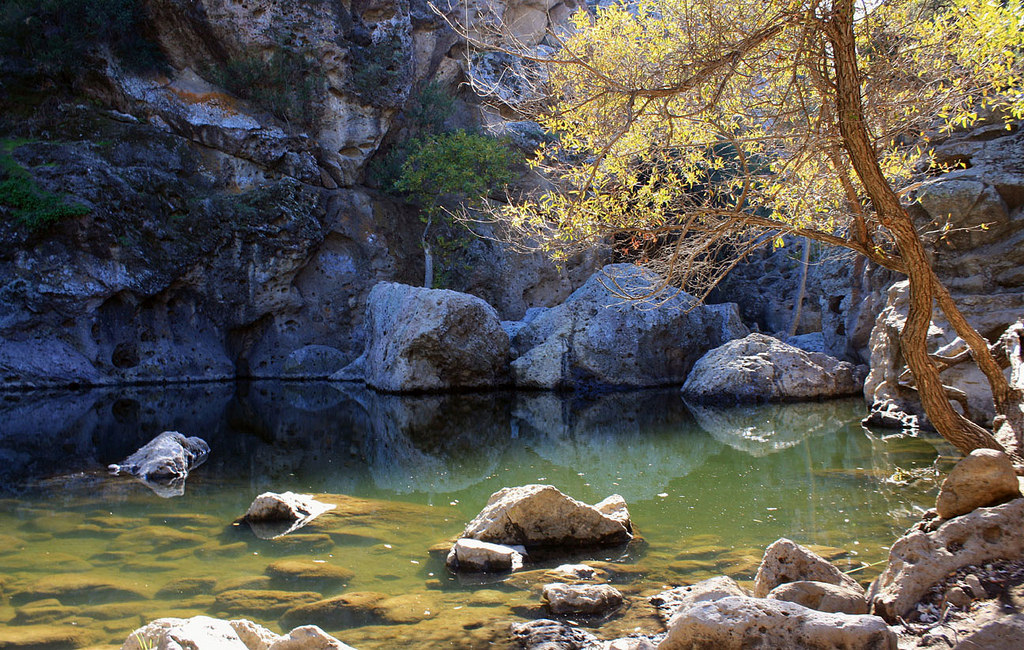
[[983, 478], [739, 622], [472, 555], [822, 596], [541, 516], [672, 601], [204, 632], [588, 600], [761, 368], [785, 561], [273, 515]]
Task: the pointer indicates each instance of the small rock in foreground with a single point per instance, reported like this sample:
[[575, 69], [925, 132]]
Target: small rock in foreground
[[590, 600], [983, 478], [786, 561], [475, 556], [204, 632]]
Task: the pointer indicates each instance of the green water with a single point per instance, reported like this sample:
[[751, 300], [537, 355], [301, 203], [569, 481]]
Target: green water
[[85, 558]]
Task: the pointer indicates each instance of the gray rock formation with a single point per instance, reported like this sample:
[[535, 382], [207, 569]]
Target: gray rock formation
[[164, 462], [206, 632], [785, 561], [739, 622], [822, 596], [760, 368], [430, 340], [930, 552], [541, 516], [586, 600], [600, 337], [985, 477], [884, 387]]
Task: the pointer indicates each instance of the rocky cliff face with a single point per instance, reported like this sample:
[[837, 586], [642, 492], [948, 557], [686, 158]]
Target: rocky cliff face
[[228, 232]]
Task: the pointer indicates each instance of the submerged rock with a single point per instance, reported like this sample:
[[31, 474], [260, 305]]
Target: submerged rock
[[983, 478], [272, 515], [589, 600], [761, 368], [541, 516], [600, 337], [201, 632], [544, 634], [164, 462], [739, 622], [429, 340]]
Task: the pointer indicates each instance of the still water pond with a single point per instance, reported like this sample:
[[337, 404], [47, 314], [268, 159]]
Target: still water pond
[[85, 557]]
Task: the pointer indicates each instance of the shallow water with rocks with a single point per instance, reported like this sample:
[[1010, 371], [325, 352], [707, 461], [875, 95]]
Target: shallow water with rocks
[[86, 557]]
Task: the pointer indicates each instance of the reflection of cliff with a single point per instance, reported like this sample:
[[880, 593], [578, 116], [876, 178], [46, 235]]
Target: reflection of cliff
[[432, 443], [630, 443], [764, 429]]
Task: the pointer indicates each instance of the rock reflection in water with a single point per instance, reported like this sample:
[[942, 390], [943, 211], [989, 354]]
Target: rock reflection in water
[[619, 436], [763, 429]]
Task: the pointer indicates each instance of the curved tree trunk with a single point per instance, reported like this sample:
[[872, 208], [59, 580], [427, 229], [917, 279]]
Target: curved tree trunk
[[805, 259], [958, 430]]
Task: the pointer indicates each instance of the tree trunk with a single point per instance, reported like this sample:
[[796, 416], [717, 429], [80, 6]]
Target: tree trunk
[[805, 259], [958, 430], [428, 256]]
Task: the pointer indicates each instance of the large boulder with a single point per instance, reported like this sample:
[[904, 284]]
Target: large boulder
[[164, 462], [786, 561], [204, 632], [761, 368], [739, 622], [430, 340], [983, 478], [929, 552], [601, 337], [541, 516]]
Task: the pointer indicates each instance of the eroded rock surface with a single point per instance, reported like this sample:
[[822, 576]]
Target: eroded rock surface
[[739, 622], [822, 596], [931, 551], [588, 600], [671, 602]]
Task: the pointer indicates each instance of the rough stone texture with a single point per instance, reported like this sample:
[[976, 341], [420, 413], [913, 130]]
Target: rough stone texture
[[598, 337], [983, 478], [993, 629], [765, 287], [544, 634], [822, 596], [472, 555], [429, 340], [989, 314], [588, 600], [204, 632], [671, 602], [164, 462], [540, 515], [760, 368], [739, 622], [929, 553], [272, 515], [785, 561]]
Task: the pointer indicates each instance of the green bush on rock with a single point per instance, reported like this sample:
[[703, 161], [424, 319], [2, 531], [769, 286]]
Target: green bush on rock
[[29, 204]]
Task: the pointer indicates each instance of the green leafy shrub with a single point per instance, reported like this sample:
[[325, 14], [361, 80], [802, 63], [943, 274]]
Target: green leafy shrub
[[458, 166], [29, 204], [290, 84], [57, 37]]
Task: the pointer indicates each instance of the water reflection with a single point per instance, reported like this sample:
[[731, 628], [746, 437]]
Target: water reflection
[[341, 437]]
